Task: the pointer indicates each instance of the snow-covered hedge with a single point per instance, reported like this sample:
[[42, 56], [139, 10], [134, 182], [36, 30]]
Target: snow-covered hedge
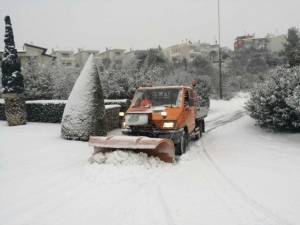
[[124, 103], [2, 110], [45, 111], [275, 103], [51, 111]]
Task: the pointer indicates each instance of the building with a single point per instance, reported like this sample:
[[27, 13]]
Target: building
[[112, 54], [270, 42], [64, 57], [189, 51], [276, 43], [82, 55], [33, 52], [113, 57]]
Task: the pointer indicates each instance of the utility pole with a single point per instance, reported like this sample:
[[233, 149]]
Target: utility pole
[[220, 54]]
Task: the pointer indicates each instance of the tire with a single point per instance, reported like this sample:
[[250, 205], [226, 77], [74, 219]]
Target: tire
[[180, 148], [203, 126], [198, 134]]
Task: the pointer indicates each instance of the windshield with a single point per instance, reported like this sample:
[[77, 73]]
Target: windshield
[[156, 97]]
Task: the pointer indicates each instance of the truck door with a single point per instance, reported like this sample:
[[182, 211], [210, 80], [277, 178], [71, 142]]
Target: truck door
[[189, 109]]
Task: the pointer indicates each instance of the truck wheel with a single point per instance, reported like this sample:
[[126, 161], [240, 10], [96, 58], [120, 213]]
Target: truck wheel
[[180, 148], [198, 134], [203, 126]]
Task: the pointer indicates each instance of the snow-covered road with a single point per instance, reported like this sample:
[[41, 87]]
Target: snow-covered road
[[236, 174]]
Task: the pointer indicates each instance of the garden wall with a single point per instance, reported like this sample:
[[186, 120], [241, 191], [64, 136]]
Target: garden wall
[[51, 111]]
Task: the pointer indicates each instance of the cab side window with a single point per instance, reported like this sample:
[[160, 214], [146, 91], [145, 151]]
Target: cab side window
[[191, 98], [186, 98]]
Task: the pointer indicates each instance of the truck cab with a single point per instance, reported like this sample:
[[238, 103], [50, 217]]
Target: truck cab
[[170, 112]]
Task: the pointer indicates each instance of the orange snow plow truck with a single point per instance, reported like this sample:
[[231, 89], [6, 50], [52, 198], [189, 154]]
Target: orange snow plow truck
[[159, 122]]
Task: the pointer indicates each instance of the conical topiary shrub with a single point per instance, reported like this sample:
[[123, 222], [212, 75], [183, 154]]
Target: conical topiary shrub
[[12, 80], [84, 114]]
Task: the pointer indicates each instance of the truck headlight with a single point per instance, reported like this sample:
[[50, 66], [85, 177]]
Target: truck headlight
[[164, 113], [169, 124], [121, 114]]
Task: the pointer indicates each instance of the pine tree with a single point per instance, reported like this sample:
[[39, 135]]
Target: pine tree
[[12, 80], [292, 47]]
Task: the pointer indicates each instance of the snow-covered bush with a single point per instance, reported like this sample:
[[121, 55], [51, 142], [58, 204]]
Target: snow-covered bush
[[294, 100], [0, 82], [123, 103], [122, 83], [63, 80], [51, 111], [116, 83], [275, 103], [84, 114], [203, 89], [2, 110], [38, 80], [48, 81], [47, 112]]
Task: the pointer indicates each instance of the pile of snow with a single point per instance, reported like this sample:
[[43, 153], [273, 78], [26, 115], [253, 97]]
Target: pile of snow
[[127, 159], [1, 101]]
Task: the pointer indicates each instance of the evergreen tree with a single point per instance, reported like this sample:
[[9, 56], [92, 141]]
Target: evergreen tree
[[203, 89], [292, 47], [38, 80], [12, 80], [275, 103], [84, 114]]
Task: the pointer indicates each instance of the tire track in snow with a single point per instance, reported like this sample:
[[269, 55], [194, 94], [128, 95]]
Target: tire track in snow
[[128, 212], [229, 192], [262, 213], [223, 120], [164, 205]]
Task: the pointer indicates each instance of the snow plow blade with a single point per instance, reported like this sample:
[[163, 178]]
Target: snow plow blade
[[157, 147]]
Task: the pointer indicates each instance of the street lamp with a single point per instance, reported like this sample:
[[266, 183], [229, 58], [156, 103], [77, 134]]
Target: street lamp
[[220, 55]]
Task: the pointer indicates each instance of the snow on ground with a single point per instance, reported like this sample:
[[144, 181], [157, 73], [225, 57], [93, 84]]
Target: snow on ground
[[236, 174]]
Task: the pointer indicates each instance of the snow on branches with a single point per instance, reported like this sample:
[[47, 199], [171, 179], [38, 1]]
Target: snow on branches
[[12, 79], [275, 104], [84, 114]]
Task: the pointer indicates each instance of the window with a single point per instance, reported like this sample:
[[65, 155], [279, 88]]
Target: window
[[157, 97]]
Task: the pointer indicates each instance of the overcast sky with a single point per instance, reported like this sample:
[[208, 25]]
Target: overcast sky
[[139, 24]]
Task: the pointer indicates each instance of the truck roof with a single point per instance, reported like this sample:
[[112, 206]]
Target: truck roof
[[164, 87]]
